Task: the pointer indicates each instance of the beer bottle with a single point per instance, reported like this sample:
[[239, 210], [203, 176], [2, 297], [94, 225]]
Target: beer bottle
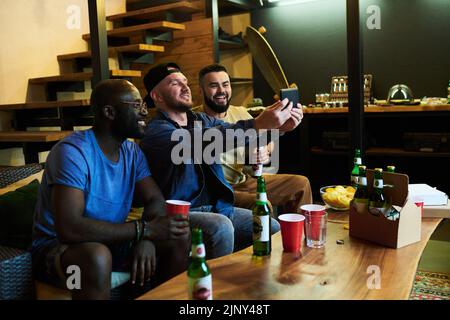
[[361, 198], [199, 275], [261, 221], [257, 168], [448, 92], [355, 172], [390, 168], [377, 201]]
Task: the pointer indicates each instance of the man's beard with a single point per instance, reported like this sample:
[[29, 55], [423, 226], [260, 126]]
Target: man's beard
[[218, 108], [177, 105]]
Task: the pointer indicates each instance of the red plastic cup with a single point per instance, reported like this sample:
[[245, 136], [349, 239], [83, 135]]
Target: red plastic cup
[[314, 214], [291, 231], [175, 207], [419, 202]]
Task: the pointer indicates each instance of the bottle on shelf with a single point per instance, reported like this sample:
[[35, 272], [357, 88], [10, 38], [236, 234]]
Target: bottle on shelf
[[377, 201], [361, 198], [199, 275], [262, 244], [390, 169], [448, 92], [355, 171]]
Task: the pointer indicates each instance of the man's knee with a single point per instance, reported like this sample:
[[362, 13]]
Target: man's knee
[[218, 233], [94, 260]]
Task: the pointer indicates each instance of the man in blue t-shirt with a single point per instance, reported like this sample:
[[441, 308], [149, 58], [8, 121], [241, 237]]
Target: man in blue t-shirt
[[86, 194]]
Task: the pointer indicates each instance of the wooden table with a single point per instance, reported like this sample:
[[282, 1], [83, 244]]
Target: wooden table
[[333, 272]]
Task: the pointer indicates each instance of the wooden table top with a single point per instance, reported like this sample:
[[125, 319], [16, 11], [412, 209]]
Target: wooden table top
[[333, 272]]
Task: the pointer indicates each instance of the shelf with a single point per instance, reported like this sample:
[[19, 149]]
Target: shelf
[[230, 45], [382, 152], [399, 152], [323, 152], [378, 109]]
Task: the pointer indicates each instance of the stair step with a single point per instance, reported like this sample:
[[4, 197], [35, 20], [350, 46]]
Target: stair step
[[45, 105], [32, 136], [141, 47], [184, 7], [141, 28], [83, 76]]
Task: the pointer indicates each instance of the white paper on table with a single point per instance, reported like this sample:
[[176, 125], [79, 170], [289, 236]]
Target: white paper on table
[[430, 196]]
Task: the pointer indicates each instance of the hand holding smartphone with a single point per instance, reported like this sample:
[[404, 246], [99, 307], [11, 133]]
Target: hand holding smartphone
[[291, 94]]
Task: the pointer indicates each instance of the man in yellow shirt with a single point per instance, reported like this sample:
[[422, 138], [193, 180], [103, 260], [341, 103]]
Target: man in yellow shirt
[[286, 190]]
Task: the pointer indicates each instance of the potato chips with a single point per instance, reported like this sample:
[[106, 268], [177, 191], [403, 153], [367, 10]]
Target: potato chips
[[338, 197]]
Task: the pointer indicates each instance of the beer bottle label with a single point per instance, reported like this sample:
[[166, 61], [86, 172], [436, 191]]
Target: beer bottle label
[[355, 180], [261, 198], [261, 228], [357, 161], [257, 169], [198, 251], [200, 288], [378, 183], [363, 181]]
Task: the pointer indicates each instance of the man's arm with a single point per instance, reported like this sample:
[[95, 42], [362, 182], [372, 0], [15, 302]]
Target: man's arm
[[72, 227], [160, 226], [150, 195]]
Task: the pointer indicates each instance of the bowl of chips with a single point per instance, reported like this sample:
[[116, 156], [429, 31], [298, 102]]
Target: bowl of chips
[[337, 197]]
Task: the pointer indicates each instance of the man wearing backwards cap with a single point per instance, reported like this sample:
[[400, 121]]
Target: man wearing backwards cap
[[226, 228]]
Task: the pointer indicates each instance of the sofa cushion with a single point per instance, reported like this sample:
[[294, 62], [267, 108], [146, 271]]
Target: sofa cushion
[[16, 215]]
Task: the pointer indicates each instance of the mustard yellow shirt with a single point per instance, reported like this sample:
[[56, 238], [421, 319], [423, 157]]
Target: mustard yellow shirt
[[233, 160]]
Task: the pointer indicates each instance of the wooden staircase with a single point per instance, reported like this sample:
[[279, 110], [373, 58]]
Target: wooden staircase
[[130, 41]]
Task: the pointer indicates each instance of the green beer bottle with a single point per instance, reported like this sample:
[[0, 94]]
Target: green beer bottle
[[377, 200], [361, 198], [355, 172], [448, 92], [199, 276], [261, 221]]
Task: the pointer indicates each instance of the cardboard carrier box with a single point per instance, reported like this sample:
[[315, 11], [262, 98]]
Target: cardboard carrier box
[[391, 233]]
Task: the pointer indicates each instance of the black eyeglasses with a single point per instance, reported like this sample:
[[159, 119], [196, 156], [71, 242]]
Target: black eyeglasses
[[140, 106]]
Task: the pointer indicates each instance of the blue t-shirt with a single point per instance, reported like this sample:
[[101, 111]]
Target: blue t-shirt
[[78, 162]]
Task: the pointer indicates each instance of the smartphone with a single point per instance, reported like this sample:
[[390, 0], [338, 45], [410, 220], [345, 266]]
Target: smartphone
[[291, 94]]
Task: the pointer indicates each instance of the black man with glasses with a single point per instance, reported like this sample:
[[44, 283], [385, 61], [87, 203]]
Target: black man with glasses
[[86, 194]]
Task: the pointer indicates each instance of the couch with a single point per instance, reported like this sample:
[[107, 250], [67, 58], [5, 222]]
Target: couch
[[18, 194]]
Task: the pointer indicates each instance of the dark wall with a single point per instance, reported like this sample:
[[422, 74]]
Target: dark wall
[[309, 39]]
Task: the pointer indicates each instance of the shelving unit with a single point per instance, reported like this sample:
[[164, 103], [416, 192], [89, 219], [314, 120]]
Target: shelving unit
[[383, 140]]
